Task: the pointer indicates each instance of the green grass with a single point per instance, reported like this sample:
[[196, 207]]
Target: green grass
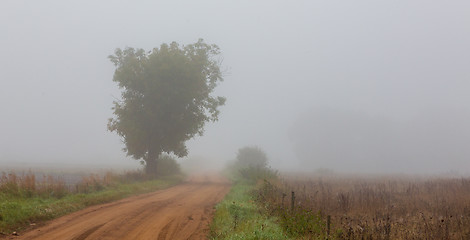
[[297, 222], [17, 212], [238, 216]]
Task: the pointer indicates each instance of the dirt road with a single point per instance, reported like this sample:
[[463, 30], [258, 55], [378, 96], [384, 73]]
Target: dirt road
[[180, 212]]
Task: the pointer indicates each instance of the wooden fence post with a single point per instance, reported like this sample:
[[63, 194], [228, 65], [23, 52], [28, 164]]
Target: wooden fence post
[[292, 201], [328, 223]]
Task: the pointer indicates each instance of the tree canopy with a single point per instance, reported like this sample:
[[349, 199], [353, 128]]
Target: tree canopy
[[166, 97], [251, 157]]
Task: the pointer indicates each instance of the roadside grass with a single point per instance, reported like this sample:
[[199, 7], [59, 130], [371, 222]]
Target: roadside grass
[[297, 222], [239, 216], [249, 212], [18, 212]]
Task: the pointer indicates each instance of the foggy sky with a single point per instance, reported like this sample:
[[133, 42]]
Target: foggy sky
[[400, 66]]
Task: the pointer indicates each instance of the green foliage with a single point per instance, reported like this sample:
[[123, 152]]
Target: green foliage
[[251, 157], [301, 223], [166, 97], [255, 173], [252, 164], [238, 216], [296, 221], [167, 165]]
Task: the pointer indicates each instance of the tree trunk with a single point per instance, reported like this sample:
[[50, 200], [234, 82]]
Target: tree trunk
[[151, 167], [151, 163]]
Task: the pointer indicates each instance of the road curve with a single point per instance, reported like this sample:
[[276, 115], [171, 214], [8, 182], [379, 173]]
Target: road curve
[[180, 212]]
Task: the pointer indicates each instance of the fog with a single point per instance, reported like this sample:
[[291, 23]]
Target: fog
[[356, 86]]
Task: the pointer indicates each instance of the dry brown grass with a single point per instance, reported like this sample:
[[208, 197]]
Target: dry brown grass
[[379, 207], [27, 184]]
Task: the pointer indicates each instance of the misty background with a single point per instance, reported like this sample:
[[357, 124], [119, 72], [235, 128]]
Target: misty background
[[362, 86]]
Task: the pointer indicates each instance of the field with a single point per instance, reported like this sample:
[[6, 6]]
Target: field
[[261, 205], [374, 207]]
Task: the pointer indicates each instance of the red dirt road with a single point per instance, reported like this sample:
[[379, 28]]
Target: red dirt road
[[180, 212]]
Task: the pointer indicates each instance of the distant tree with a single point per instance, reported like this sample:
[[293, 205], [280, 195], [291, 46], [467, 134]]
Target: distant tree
[[166, 98], [252, 164], [251, 157]]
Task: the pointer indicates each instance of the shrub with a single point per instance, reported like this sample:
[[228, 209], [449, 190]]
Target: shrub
[[256, 173], [251, 157], [252, 164], [167, 165]]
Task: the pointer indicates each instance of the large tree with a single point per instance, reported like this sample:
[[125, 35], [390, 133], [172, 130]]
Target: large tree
[[166, 98]]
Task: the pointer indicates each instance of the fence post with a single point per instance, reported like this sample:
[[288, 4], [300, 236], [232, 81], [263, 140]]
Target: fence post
[[328, 223], [283, 196], [292, 201]]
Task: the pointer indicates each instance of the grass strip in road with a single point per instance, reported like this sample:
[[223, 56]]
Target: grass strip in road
[[18, 213], [238, 216]]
